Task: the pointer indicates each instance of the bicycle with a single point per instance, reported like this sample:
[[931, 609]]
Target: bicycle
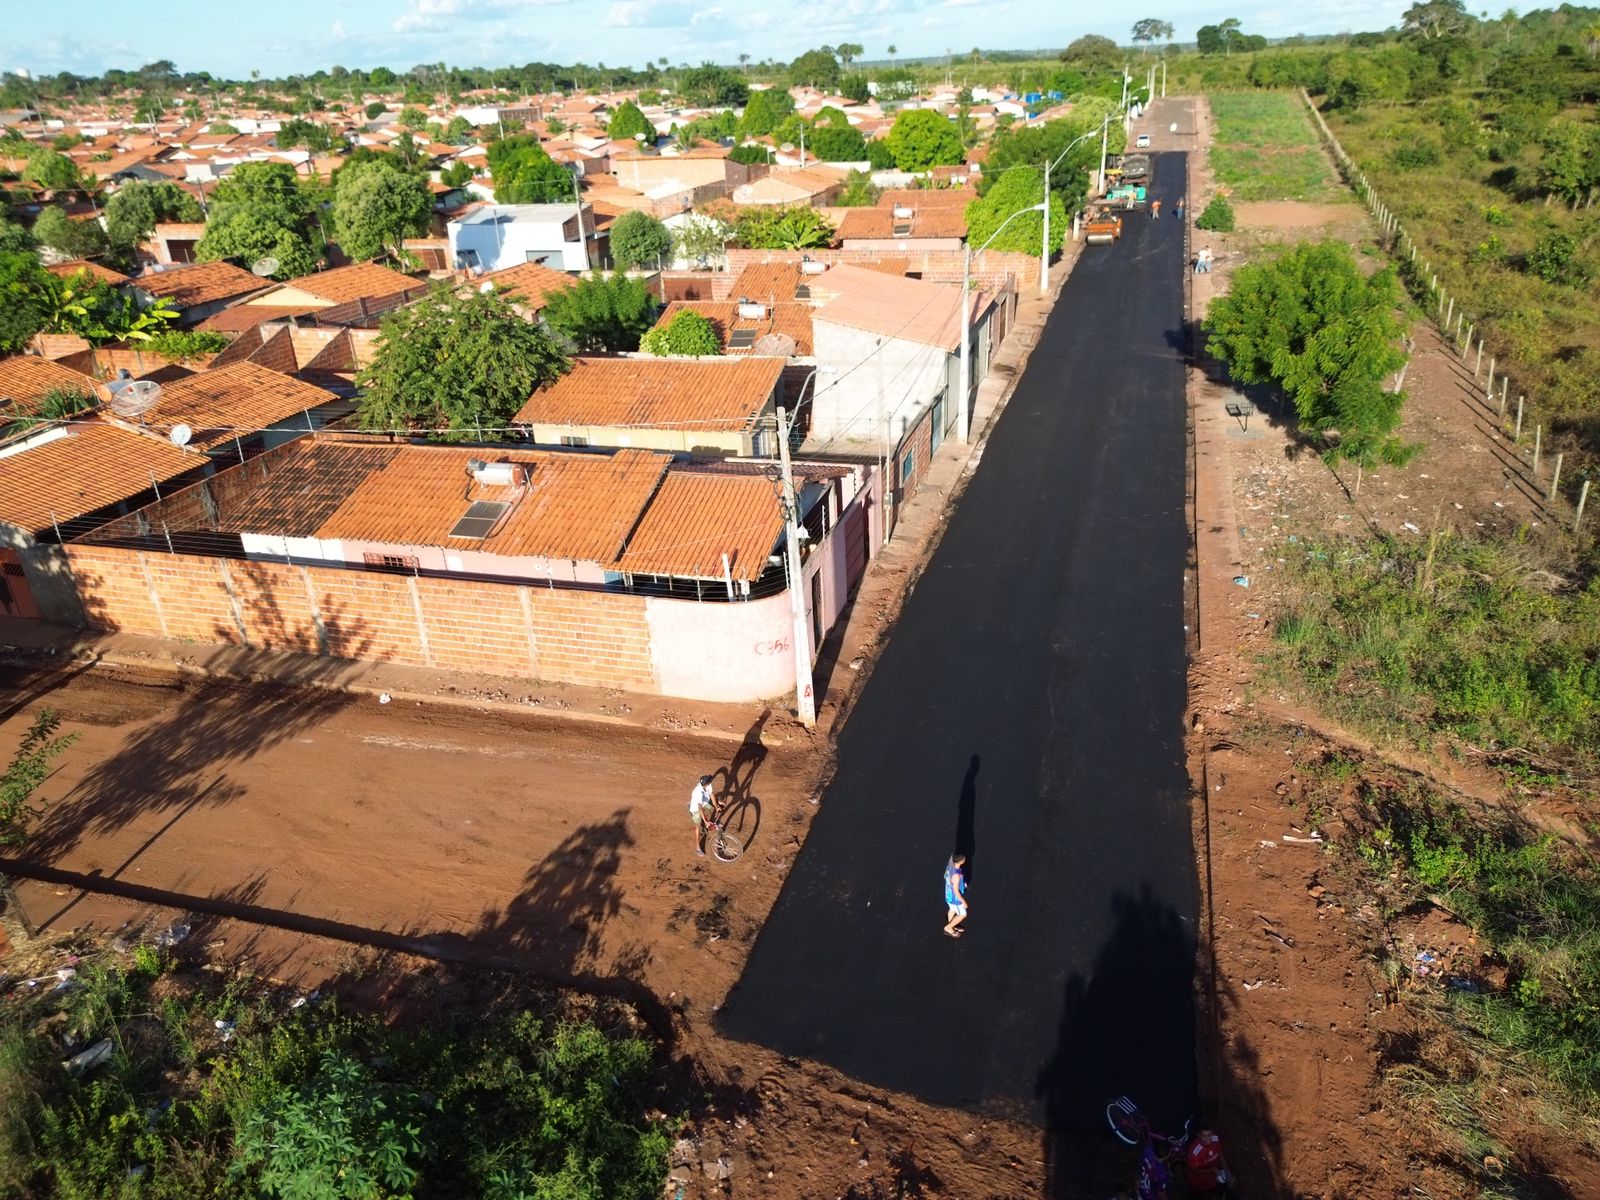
[[1204, 1165], [725, 846]]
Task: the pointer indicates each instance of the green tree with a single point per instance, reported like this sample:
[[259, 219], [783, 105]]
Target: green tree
[[1015, 191], [772, 227], [606, 313], [833, 144], [376, 109], [458, 362], [688, 333], [767, 108], [457, 174], [136, 208], [848, 52], [261, 211], [701, 239], [816, 68], [1093, 52], [24, 283], [223, 129], [14, 238], [711, 86], [856, 86], [459, 132], [879, 155], [1570, 164], [1209, 39], [1310, 322], [314, 137], [525, 174], [859, 191], [921, 138], [1150, 29], [53, 171], [381, 77], [30, 767], [639, 240], [413, 118], [75, 239], [342, 1136], [629, 120], [378, 206]]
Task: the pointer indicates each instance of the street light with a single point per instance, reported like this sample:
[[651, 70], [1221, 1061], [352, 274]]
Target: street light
[[965, 401], [1044, 254]]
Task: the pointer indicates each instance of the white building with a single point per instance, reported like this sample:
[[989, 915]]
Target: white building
[[496, 236]]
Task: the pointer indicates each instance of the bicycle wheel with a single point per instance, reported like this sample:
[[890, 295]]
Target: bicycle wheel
[[726, 846], [1126, 1121]]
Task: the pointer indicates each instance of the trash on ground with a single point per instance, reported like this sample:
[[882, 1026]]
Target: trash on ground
[[88, 1060]]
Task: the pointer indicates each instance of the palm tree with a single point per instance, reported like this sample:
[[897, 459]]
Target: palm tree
[[744, 63], [893, 50]]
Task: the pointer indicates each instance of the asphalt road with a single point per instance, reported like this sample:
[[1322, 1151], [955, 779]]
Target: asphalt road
[[1027, 711]]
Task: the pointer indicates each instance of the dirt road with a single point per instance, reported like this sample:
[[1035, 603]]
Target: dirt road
[[564, 849]]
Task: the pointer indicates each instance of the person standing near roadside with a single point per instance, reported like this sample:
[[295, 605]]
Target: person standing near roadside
[[703, 812], [1178, 208], [1155, 210], [955, 894]]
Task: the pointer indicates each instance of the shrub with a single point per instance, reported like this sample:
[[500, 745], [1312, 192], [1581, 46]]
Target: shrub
[[1218, 216], [183, 344], [1554, 258], [1415, 155], [688, 333]]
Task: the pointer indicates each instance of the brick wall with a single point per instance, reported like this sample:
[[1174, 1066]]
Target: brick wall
[[591, 638]]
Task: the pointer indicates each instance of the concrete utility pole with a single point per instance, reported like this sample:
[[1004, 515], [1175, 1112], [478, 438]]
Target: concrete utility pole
[[805, 697], [1049, 166], [964, 405]]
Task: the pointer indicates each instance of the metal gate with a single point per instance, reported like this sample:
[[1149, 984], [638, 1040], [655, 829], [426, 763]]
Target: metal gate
[[15, 598], [855, 547]]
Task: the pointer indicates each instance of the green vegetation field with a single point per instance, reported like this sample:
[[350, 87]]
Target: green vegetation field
[[1265, 149]]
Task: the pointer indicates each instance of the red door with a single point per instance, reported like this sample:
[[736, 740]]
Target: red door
[[15, 598], [855, 547]]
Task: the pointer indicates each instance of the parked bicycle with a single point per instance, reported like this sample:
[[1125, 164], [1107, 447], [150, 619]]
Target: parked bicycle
[[1205, 1167]]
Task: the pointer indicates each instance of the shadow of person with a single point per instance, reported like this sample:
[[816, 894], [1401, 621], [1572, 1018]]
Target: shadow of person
[[747, 760], [967, 815]]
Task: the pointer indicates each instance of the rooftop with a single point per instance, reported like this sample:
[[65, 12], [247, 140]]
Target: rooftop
[[79, 468], [519, 214], [368, 280], [242, 397], [529, 283], [742, 334], [24, 379], [713, 394], [200, 283], [946, 222], [695, 519], [893, 307]]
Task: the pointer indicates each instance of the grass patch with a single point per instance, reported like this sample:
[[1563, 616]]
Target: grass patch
[[1265, 149], [1477, 644], [228, 1088]]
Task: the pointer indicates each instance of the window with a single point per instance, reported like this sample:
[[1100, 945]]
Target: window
[[568, 439], [390, 562], [543, 258], [908, 467]]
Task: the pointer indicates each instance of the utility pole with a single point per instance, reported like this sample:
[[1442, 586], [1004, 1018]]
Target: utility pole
[[1125, 67], [1105, 132], [1163, 79], [805, 697]]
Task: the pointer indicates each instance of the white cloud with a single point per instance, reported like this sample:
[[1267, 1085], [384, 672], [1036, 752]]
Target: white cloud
[[629, 14], [425, 14], [337, 31], [962, 3]]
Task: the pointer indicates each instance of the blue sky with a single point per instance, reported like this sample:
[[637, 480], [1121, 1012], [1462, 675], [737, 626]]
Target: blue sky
[[233, 37]]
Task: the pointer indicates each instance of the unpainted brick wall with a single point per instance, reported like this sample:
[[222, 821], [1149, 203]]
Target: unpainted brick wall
[[591, 638]]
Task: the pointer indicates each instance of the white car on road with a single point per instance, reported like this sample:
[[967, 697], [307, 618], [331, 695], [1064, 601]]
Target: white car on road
[[1143, 141]]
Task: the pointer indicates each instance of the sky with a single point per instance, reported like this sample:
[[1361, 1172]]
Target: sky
[[230, 38]]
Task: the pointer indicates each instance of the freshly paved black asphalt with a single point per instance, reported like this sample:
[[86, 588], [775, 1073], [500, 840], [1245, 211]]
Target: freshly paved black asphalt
[[1028, 711]]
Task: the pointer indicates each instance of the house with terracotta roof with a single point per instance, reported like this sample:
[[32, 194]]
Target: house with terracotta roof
[[175, 241], [715, 405], [198, 289], [624, 569], [65, 478], [350, 295], [326, 357], [703, 173], [528, 285], [901, 228], [238, 409], [25, 381]]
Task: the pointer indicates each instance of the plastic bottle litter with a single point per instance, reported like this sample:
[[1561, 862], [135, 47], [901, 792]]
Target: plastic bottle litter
[[1242, 580], [226, 1028], [88, 1060], [171, 936]]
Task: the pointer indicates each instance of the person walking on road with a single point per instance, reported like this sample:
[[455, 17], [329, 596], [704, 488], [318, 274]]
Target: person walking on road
[[1155, 210], [955, 894], [1178, 208], [703, 812]]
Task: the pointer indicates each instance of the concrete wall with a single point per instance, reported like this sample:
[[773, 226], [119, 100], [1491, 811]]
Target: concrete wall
[[870, 388], [722, 651], [508, 245]]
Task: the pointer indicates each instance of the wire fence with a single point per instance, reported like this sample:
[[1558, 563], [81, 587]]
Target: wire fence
[[1459, 330]]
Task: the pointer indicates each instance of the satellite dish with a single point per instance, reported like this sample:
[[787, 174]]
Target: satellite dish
[[180, 435], [264, 266], [133, 397]]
